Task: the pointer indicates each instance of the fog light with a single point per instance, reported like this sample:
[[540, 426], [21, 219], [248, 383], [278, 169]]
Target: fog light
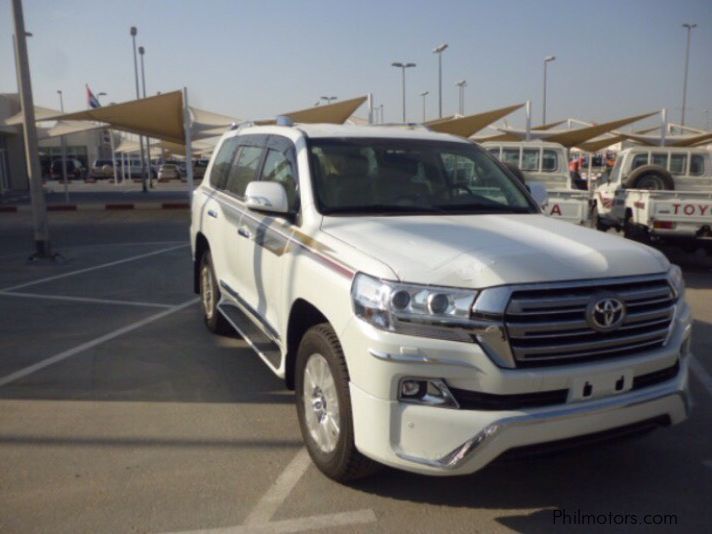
[[413, 388], [429, 391]]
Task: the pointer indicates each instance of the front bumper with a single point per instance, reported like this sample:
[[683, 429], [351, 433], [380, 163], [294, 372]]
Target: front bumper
[[446, 441], [437, 441]]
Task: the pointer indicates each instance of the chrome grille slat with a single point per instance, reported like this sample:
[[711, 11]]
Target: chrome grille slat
[[549, 324], [587, 345], [604, 352]]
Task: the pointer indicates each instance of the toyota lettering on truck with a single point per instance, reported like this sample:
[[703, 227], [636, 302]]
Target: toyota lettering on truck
[[426, 313]]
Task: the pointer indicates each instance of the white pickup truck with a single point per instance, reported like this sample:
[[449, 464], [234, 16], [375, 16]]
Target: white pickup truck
[[659, 194], [547, 163], [426, 313]]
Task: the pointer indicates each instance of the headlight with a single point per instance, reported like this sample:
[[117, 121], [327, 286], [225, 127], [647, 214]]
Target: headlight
[[400, 307], [676, 281]]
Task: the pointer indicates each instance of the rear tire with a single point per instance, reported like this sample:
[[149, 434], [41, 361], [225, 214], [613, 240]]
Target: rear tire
[[324, 406], [210, 297]]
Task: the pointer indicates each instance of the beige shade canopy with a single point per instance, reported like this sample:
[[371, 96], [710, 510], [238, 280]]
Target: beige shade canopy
[[335, 113], [508, 136], [671, 141], [40, 115], [571, 138], [160, 116], [67, 128], [470, 124]]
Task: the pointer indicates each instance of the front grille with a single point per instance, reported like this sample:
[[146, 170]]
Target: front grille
[[548, 326]]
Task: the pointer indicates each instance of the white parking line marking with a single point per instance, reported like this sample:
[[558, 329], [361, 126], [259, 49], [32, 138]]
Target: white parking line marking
[[94, 268], [701, 374], [278, 492], [301, 524], [84, 299], [17, 375]]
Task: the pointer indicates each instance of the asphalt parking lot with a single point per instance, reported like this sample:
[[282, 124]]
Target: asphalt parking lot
[[119, 412]]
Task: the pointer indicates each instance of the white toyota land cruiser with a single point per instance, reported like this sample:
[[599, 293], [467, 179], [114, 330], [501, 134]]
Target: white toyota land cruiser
[[427, 315]]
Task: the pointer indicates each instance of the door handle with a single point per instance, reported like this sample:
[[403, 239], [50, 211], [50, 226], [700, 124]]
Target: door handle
[[244, 232], [213, 214]]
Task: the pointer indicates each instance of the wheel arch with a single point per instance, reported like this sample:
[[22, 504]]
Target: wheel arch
[[302, 316]]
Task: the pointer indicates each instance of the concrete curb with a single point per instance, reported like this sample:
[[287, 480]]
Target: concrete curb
[[115, 206]]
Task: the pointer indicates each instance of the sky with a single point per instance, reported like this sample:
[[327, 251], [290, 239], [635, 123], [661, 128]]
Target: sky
[[256, 59]]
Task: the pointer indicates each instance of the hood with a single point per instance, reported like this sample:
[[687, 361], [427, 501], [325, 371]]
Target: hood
[[487, 250]]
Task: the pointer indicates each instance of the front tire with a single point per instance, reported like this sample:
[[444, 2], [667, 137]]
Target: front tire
[[324, 406], [210, 296]]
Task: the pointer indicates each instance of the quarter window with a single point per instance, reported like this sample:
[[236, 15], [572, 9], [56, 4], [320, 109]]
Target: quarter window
[[244, 170], [639, 160], [549, 161], [659, 158], [221, 165], [697, 165], [530, 159], [678, 163], [510, 155]]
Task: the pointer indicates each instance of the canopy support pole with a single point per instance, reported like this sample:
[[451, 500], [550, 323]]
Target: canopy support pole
[[529, 120], [187, 126]]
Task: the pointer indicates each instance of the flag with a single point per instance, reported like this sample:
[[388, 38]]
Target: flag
[[91, 99]]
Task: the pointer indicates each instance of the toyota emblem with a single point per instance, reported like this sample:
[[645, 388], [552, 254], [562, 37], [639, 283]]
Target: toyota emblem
[[605, 313]]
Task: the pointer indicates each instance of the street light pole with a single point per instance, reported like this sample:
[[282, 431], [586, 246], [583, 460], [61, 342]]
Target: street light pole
[[63, 142], [424, 94], [39, 208], [439, 51], [687, 60], [133, 33], [403, 66], [547, 59], [142, 51], [462, 84], [329, 99]]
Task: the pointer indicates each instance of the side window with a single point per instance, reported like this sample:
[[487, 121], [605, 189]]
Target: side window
[[530, 159], [510, 155], [244, 170], [697, 165], [221, 165], [638, 161], [678, 163], [549, 161], [659, 158], [278, 167]]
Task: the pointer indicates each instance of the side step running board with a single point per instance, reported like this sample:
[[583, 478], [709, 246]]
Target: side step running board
[[267, 349]]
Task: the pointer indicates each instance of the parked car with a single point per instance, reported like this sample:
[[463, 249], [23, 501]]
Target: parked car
[[102, 169], [659, 194], [199, 167], [546, 163], [426, 313], [75, 169], [168, 171]]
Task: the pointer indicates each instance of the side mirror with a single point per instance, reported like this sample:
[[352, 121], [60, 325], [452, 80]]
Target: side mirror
[[267, 196], [539, 192]]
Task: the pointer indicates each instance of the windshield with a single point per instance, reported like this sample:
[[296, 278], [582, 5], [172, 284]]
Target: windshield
[[403, 176]]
